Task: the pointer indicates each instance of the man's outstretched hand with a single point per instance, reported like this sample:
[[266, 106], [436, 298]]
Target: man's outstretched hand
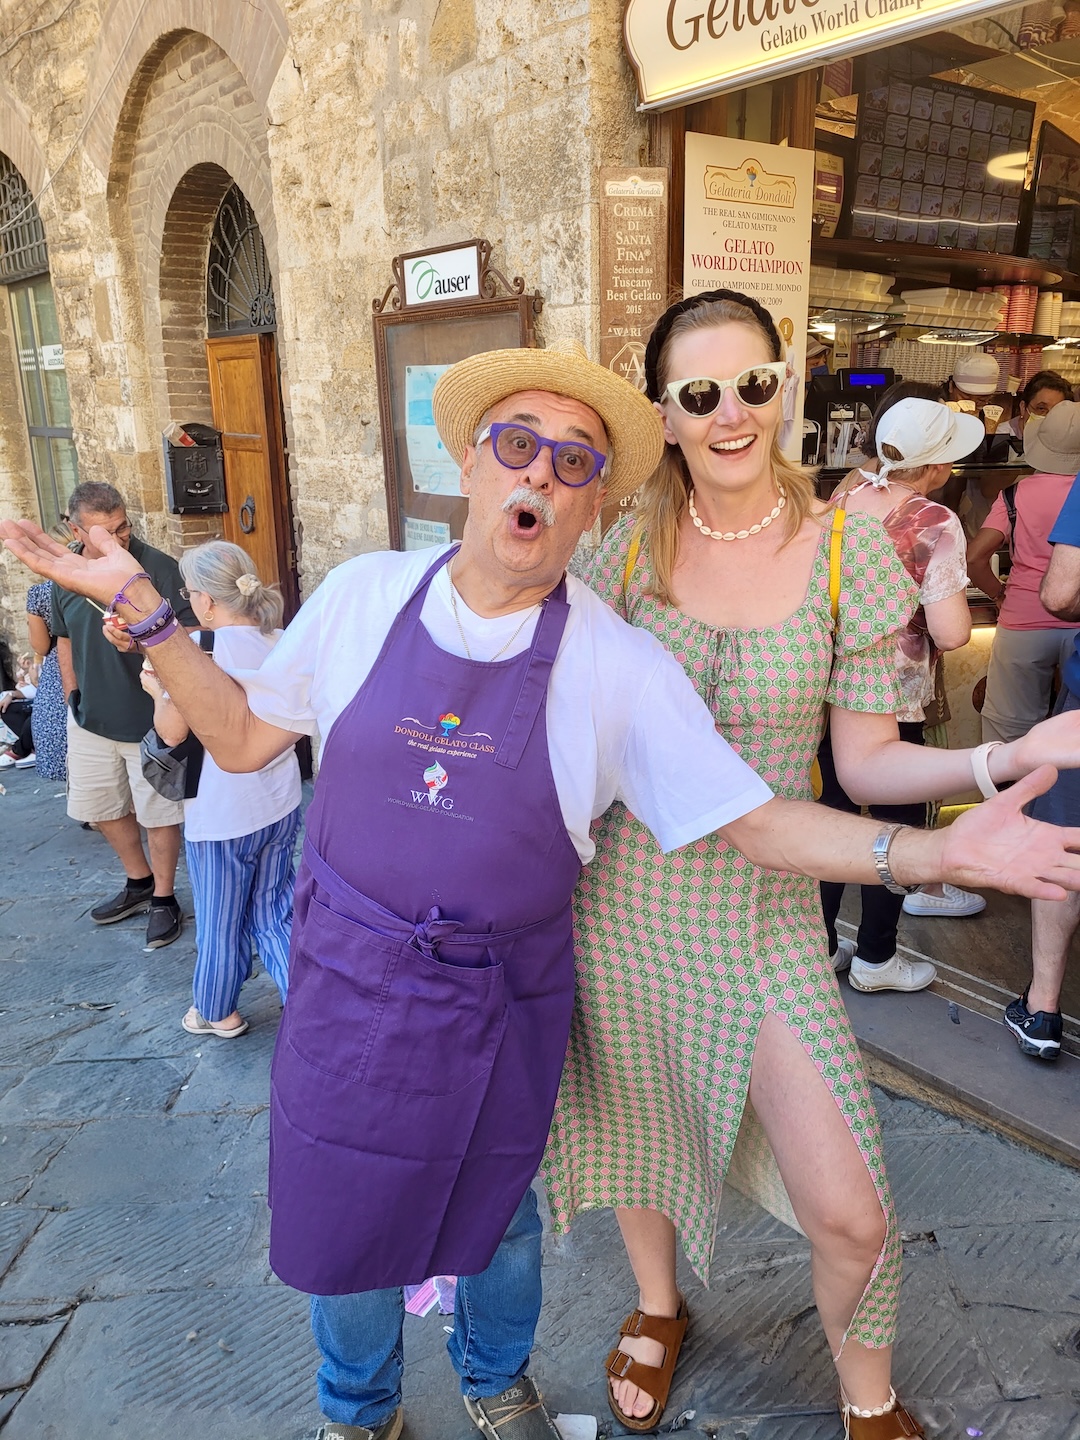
[[100, 579], [996, 846]]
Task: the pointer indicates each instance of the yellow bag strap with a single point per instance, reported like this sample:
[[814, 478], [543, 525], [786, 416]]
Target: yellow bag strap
[[631, 560], [836, 542]]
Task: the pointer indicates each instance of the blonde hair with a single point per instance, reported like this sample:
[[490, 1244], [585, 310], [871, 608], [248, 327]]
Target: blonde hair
[[664, 496], [227, 574]]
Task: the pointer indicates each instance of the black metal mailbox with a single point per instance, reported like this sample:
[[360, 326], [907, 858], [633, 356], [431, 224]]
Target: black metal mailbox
[[195, 474]]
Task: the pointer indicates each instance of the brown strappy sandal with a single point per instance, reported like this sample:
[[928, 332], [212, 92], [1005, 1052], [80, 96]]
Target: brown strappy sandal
[[655, 1380]]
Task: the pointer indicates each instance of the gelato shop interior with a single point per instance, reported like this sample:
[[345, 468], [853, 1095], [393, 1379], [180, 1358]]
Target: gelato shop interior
[[942, 244]]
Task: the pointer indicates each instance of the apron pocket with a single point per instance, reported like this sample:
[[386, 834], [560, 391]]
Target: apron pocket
[[365, 1007], [438, 1029], [338, 973]]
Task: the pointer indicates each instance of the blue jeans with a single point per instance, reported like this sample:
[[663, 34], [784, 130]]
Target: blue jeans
[[495, 1315]]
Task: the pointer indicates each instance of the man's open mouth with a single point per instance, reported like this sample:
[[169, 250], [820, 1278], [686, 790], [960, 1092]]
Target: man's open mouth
[[529, 512]]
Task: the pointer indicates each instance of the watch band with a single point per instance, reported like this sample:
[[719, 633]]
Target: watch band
[[882, 842], [981, 770]]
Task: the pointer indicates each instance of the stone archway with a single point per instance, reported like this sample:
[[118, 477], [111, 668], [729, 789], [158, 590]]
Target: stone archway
[[188, 128]]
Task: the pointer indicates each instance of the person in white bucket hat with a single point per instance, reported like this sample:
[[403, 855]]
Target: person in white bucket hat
[[975, 388], [975, 376], [1030, 643], [915, 440]]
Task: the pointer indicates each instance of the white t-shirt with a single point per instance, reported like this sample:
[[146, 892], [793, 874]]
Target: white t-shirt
[[623, 720], [228, 806]]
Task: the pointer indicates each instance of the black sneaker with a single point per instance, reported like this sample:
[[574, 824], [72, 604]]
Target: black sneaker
[[164, 926], [130, 901], [1037, 1034]]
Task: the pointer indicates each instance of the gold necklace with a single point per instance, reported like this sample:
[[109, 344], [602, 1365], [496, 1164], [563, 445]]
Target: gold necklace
[[737, 534], [461, 632]]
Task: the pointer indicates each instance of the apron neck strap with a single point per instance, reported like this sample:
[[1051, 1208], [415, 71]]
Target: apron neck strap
[[554, 613]]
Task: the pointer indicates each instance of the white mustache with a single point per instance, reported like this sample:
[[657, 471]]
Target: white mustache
[[524, 498]]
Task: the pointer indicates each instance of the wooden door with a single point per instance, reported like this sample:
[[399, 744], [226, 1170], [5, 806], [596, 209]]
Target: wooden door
[[247, 410]]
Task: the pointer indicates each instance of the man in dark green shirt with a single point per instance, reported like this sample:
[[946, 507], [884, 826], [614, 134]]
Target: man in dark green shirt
[[109, 714]]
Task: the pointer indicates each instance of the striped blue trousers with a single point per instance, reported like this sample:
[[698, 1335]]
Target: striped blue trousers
[[243, 893]]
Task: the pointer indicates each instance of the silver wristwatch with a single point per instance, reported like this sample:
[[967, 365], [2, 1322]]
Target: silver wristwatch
[[882, 841]]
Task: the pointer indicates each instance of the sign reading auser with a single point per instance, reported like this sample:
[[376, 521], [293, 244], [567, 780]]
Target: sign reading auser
[[684, 50]]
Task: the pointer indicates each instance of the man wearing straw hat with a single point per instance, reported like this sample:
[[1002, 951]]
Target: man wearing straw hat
[[478, 710]]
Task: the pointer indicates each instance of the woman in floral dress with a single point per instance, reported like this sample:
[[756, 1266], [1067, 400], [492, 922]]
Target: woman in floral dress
[[49, 717], [704, 981]]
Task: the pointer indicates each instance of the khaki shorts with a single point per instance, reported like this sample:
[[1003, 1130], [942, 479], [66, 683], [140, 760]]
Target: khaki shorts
[[105, 782]]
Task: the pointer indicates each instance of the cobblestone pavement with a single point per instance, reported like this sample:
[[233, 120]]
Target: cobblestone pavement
[[135, 1299]]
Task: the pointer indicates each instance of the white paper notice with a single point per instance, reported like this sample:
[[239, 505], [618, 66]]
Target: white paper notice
[[749, 219], [420, 534], [434, 470]]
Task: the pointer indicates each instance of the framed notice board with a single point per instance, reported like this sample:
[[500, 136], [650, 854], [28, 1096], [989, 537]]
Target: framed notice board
[[442, 307]]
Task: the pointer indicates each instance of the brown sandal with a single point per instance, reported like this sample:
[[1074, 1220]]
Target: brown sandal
[[655, 1380]]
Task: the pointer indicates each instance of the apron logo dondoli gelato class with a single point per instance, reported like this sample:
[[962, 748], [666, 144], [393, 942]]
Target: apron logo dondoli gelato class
[[445, 736]]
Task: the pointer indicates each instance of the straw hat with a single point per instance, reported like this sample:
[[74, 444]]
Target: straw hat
[[468, 390], [1054, 447]]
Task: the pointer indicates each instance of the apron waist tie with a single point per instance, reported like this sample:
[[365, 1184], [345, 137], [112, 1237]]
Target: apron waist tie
[[425, 935]]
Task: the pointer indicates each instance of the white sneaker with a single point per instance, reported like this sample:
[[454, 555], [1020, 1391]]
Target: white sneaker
[[26, 763], [953, 902], [7, 762], [895, 974], [845, 953]]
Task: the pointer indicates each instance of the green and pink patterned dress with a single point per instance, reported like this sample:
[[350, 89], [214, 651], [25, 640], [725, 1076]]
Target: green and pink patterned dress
[[679, 957]]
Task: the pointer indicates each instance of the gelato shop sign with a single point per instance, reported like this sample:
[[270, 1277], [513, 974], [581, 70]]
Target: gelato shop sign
[[684, 50]]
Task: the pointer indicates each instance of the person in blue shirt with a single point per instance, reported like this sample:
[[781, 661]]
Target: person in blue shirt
[[1035, 1017]]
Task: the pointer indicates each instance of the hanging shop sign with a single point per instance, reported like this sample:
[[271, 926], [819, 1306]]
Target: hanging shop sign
[[437, 277], [748, 224], [685, 50]]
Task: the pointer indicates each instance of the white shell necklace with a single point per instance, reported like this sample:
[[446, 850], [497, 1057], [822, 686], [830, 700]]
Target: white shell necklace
[[737, 534]]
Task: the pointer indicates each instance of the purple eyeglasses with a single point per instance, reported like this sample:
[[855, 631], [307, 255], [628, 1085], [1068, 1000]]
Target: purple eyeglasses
[[516, 446]]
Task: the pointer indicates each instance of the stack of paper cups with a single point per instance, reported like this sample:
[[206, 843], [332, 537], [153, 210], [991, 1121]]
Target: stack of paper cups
[[1005, 291], [1044, 315]]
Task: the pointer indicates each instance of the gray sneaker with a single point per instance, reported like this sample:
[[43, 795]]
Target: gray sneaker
[[516, 1414], [845, 953], [389, 1430]]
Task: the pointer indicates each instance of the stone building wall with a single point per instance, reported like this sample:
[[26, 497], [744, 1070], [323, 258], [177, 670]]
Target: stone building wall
[[357, 129], [423, 124]]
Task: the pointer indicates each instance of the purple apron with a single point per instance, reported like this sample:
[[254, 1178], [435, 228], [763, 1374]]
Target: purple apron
[[431, 972]]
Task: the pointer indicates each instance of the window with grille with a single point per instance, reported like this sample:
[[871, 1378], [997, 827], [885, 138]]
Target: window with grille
[[239, 287], [22, 235]]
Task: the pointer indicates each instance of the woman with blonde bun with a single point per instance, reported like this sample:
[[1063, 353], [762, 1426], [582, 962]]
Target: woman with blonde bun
[[239, 830]]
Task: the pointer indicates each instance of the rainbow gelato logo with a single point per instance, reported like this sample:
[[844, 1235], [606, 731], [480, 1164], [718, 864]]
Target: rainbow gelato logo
[[435, 778], [449, 723]]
